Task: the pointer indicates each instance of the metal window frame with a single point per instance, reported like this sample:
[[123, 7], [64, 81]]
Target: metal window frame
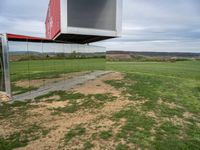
[[6, 66]]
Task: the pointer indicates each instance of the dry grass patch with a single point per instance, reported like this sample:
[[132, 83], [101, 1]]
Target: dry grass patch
[[170, 105]]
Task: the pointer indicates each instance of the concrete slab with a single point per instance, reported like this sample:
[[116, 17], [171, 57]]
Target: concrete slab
[[60, 86]]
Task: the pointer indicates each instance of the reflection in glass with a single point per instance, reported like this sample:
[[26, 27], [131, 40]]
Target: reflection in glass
[[19, 64], [34, 65]]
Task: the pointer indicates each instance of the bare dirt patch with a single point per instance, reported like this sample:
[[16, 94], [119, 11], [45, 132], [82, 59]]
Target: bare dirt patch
[[66, 121], [102, 122], [55, 104], [4, 97], [6, 128], [151, 114], [98, 86], [170, 105], [188, 115], [91, 118], [176, 121]]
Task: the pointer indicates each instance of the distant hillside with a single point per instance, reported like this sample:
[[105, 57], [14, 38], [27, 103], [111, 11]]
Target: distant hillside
[[24, 53], [156, 54], [150, 56], [50, 53]]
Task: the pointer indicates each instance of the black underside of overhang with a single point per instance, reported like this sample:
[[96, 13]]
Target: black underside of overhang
[[81, 39]]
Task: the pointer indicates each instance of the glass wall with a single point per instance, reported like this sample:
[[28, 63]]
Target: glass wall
[[34, 65], [2, 78]]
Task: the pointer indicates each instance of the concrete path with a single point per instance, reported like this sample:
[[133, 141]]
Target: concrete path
[[60, 86]]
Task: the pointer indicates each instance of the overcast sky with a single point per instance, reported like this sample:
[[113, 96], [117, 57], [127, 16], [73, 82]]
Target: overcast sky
[[148, 25]]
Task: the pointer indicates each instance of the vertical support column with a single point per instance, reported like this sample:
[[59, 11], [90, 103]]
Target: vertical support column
[[6, 69]]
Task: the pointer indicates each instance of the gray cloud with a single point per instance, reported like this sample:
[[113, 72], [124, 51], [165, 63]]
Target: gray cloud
[[148, 25], [23, 16], [24, 9], [159, 25]]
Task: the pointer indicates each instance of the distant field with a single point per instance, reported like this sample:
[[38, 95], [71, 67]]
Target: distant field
[[172, 91], [183, 69], [37, 69]]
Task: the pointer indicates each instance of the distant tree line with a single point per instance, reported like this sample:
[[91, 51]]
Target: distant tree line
[[48, 56], [140, 58]]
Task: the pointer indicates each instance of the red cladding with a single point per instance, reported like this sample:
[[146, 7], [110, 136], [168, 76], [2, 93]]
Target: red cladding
[[53, 19], [16, 37]]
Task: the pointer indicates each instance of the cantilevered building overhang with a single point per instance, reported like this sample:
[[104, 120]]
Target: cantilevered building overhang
[[84, 21], [70, 26]]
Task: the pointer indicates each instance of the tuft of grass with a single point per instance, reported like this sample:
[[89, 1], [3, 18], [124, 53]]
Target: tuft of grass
[[130, 131], [87, 102], [74, 132], [10, 110], [88, 145], [168, 137], [22, 138], [13, 141], [115, 83], [105, 134], [67, 109], [122, 147]]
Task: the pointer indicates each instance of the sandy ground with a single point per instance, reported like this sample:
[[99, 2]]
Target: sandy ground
[[4, 97], [60, 124], [98, 86], [94, 120], [67, 121]]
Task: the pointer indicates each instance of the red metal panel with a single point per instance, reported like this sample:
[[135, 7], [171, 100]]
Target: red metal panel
[[53, 19], [15, 37]]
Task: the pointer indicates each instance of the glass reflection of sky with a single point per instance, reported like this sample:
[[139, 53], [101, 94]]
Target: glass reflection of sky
[[52, 47]]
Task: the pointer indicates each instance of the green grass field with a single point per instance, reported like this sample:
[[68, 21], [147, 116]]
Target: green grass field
[[163, 113], [173, 83], [183, 69], [38, 69]]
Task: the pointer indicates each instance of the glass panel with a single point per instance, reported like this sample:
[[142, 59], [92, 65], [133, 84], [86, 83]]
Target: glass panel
[[49, 63], [19, 64], [59, 61], [97, 14], [2, 78], [34, 65]]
